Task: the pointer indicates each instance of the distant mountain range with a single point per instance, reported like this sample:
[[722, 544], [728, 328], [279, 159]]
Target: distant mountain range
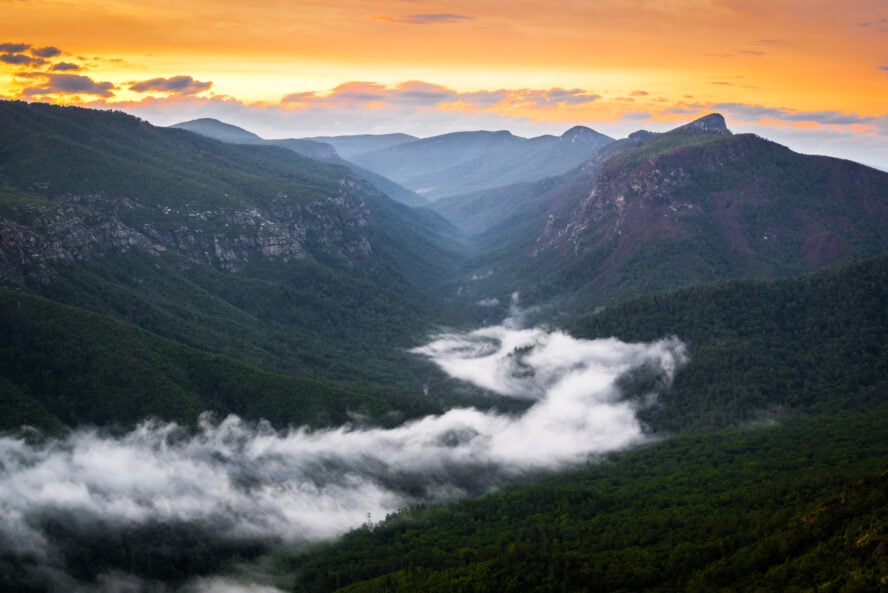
[[464, 162], [311, 148], [435, 167]]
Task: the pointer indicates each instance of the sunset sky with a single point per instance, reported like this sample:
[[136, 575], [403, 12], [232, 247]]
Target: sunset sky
[[810, 74]]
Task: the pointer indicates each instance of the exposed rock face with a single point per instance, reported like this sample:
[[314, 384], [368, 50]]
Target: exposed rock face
[[700, 204], [713, 123], [77, 227]]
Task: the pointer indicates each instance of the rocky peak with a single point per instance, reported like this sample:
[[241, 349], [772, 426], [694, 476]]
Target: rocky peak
[[713, 123]]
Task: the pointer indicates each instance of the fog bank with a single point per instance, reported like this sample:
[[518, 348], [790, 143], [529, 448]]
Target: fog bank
[[247, 481]]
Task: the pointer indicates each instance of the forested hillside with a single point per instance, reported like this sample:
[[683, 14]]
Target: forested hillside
[[792, 500]]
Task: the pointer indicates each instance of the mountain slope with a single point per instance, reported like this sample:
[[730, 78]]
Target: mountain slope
[[253, 252], [349, 146], [464, 162], [693, 205], [795, 498]]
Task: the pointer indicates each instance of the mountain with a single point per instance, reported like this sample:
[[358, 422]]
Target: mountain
[[213, 128], [349, 146], [658, 211], [322, 151], [247, 251], [464, 162]]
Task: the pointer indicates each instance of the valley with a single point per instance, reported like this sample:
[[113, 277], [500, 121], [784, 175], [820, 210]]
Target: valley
[[465, 362]]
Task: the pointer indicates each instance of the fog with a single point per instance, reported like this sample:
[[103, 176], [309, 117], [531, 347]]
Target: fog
[[241, 480]]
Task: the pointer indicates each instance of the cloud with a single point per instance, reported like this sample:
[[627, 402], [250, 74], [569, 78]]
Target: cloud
[[878, 26], [425, 19], [46, 52], [488, 302], [639, 93], [636, 116], [65, 67], [21, 60], [70, 84], [14, 48], [244, 481], [747, 111], [180, 85], [411, 93], [883, 68]]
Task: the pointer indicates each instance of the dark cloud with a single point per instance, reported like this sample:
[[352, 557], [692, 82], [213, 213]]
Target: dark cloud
[[14, 48], [425, 19], [885, 68], [180, 85], [21, 60], [65, 67], [67, 84], [46, 52]]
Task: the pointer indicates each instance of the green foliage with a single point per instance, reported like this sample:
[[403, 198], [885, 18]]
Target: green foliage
[[60, 365], [758, 349], [796, 507]]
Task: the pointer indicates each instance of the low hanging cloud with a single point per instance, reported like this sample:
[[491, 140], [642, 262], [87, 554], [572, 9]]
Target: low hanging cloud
[[425, 19], [179, 85], [66, 84], [246, 481]]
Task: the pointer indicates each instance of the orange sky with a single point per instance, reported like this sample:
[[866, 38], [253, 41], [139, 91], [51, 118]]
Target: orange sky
[[791, 66]]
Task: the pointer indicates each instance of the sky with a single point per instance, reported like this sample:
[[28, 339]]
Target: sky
[[811, 74]]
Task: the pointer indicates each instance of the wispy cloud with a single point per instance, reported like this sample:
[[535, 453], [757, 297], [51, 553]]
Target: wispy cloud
[[425, 19], [754, 112], [424, 94], [180, 85], [876, 26]]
